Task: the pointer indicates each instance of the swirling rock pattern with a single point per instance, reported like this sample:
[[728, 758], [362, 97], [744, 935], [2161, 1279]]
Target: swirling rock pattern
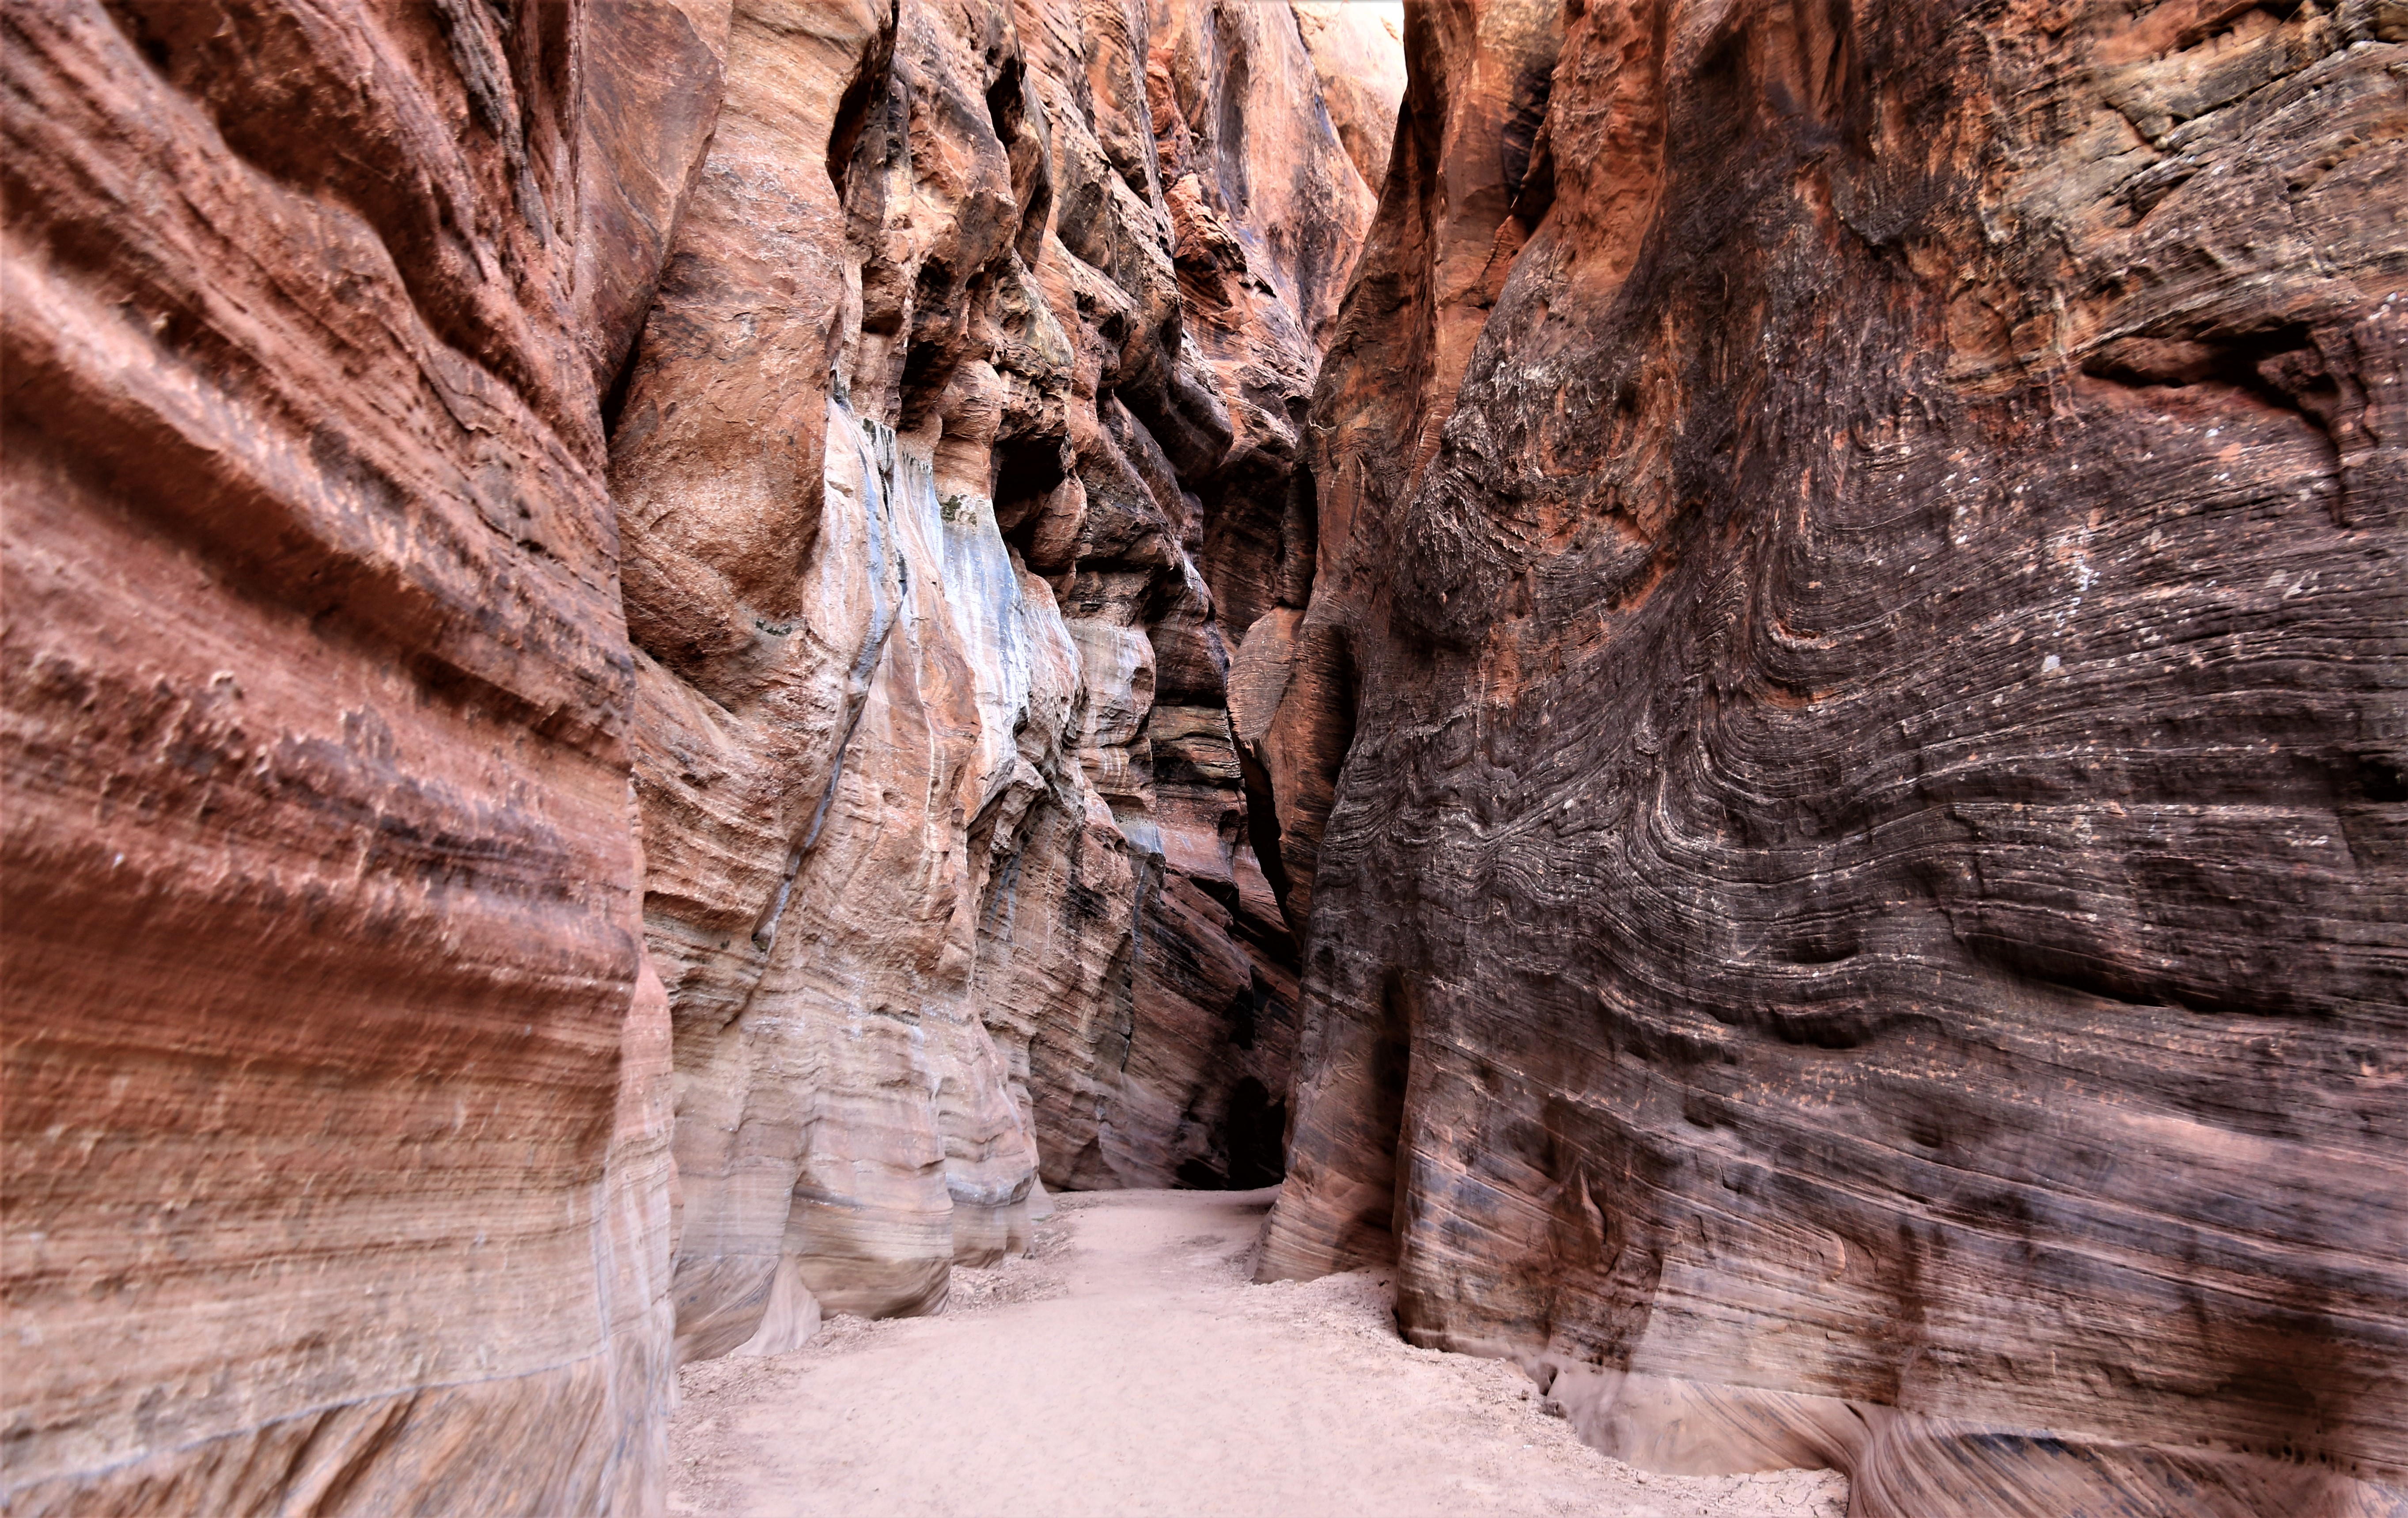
[[1863, 917]]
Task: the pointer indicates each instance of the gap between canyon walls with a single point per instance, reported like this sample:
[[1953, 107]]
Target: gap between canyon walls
[[958, 457]]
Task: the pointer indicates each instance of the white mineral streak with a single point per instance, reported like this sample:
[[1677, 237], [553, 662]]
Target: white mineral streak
[[883, 1132]]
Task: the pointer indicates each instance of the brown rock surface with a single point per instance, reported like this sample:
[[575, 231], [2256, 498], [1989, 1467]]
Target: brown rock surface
[[1863, 917]]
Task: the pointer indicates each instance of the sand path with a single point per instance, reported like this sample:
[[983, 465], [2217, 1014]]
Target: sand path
[[1127, 1368]]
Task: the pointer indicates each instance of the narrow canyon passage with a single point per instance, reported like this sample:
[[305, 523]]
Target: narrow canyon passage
[[690, 690], [1126, 1367]]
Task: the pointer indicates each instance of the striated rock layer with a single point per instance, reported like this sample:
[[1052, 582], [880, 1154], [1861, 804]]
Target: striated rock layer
[[334, 1090], [661, 657], [571, 564], [1862, 920]]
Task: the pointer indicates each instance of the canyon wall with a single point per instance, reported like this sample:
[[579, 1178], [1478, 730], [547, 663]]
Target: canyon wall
[[956, 454], [617, 622], [335, 1117], [1859, 606], [661, 659]]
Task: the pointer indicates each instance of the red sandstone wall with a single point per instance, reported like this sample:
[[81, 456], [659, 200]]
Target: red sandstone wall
[[1862, 920]]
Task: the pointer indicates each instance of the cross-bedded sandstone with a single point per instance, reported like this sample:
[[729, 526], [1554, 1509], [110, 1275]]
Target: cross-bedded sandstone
[[1862, 916]]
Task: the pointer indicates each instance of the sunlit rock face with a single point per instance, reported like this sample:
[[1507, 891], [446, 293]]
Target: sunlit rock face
[[1862, 919], [589, 585]]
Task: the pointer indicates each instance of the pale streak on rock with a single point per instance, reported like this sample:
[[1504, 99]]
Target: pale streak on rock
[[938, 919]]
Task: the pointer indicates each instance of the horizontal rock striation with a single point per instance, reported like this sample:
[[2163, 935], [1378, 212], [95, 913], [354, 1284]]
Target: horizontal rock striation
[[335, 1085], [616, 646], [1862, 920]]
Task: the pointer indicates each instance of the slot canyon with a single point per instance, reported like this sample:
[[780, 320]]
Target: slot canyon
[[1684, 718]]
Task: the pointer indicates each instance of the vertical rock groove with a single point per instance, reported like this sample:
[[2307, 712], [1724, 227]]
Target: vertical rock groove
[[953, 805]]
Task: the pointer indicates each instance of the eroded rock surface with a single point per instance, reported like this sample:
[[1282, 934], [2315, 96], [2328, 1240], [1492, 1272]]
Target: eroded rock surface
[[956, 453], [659, 659], [1862, 919], [334, 1091], [568, 564]]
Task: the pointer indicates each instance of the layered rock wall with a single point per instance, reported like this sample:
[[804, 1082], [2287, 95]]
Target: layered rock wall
[[335, 1101], [568, 566], [1860, 603], [660, 658]]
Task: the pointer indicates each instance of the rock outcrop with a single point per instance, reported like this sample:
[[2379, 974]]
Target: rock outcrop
[[334, 1083], [571, 564], [1859, 602]]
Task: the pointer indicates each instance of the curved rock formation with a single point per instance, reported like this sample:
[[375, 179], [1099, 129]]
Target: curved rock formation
[[570, 563], [335, 1101], [1862, 919], [967, 412], [659, 659]]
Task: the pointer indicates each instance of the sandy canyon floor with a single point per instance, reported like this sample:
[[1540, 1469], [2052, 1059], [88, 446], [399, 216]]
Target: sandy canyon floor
[[1128, 1367]]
